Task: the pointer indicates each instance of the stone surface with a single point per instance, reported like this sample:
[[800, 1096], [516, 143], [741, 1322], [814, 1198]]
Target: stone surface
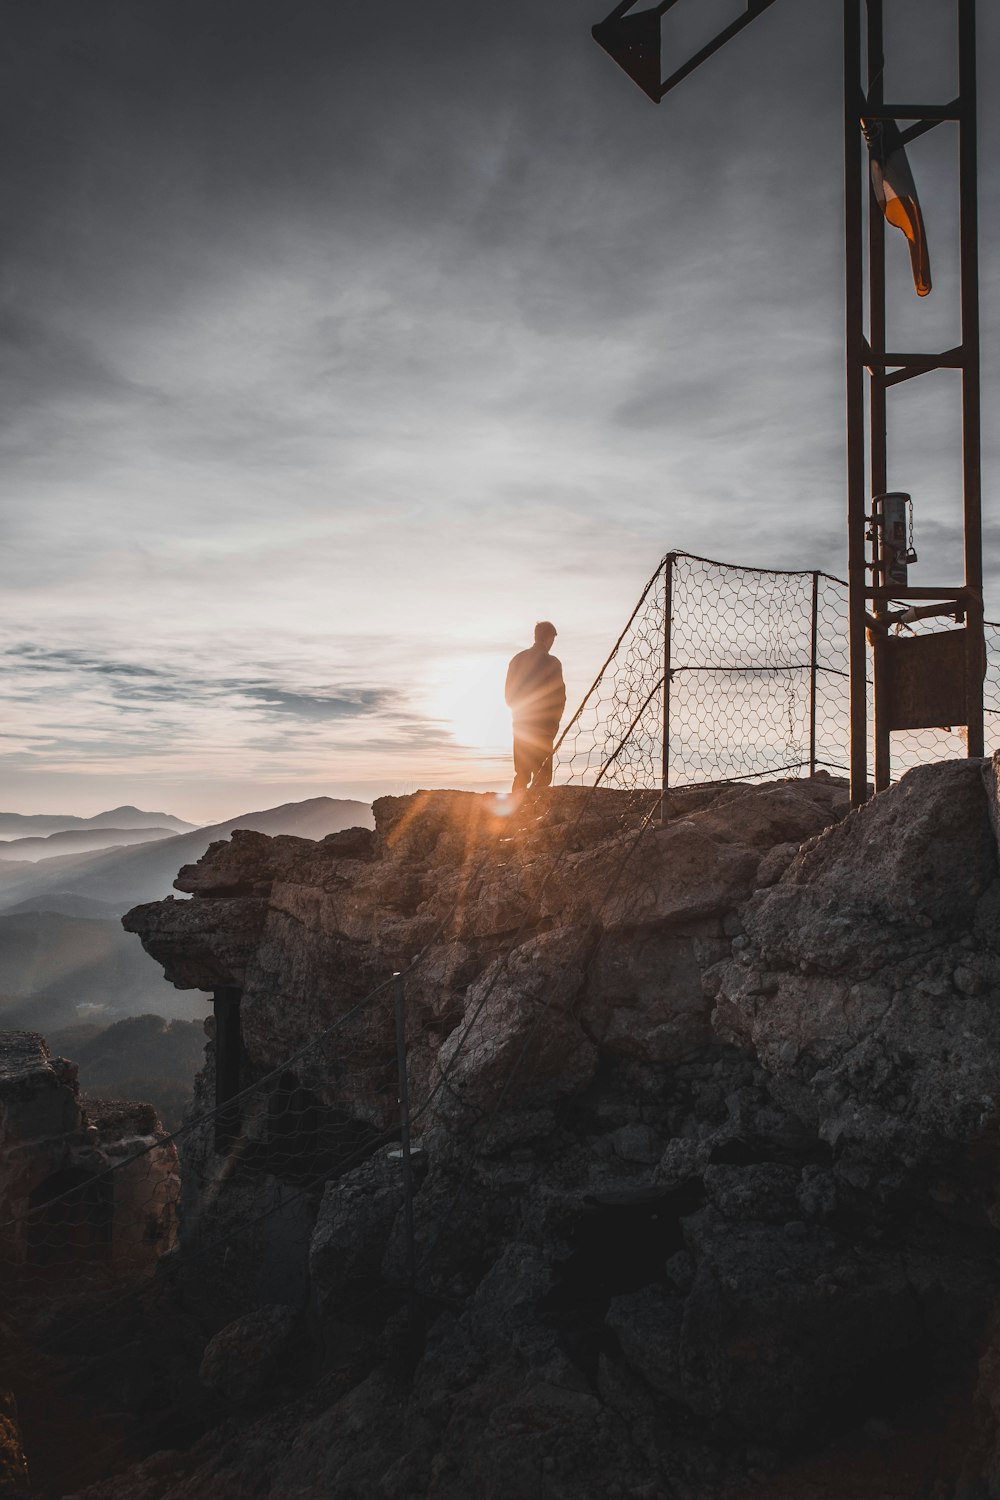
[[869, 989], [708, 1126], [239, 1363], [352, 1231], [648, 1327], [15, 1480], [518, 1035], [82, 1182], [202, 945]]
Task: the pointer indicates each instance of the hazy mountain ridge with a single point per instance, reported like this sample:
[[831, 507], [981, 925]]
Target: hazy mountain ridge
[[15, 825], [36, 847], [125, 876], [67, 904], [63, 955]]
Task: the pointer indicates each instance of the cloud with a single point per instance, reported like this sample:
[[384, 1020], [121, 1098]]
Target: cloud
[[68, 707], [38, 658], [316, 707], [152, 684]]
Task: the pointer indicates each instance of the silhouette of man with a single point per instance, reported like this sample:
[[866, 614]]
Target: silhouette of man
[[536, 695]]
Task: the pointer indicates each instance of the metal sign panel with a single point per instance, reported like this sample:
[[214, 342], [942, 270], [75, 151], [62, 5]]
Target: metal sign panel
[[921, 680]]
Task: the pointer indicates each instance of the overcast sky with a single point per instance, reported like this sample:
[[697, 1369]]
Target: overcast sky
[[342, 341]]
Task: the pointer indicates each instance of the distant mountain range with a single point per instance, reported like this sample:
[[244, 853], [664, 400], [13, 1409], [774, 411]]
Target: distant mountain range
[[124, 877], [63, 955], [68, 905], [20, 825], [78, 841]]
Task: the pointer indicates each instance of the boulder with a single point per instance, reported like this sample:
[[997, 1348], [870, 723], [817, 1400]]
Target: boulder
[[648, 1325], [352, 1230], [240, 1362], [518, 1040], [894, 877], [644, 998], [869, 986], [203, 945], [779, 1336]]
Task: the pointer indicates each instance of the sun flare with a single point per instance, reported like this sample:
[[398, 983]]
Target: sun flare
[[466, 694]]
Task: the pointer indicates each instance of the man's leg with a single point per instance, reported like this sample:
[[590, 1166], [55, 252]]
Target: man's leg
[[524, 764], [543, 770]]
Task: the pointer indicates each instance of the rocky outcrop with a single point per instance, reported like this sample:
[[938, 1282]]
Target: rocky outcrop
[[84, 1183], [15, 1479], [869, 982], [306, 929], [707, 1120], [240, 1363], [89, 1193]]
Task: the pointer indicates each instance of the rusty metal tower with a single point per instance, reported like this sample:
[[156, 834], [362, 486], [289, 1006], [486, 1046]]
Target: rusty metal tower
[[932, 679]]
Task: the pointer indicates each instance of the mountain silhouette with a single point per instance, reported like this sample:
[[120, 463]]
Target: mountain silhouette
[[79, 841], [63, 955], [125, 877], [66, 904], [19, 825]]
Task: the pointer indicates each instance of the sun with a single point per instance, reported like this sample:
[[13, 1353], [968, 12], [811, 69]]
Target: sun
[[466, 694]]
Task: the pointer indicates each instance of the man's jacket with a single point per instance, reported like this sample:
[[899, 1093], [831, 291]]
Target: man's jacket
[[535, 690]]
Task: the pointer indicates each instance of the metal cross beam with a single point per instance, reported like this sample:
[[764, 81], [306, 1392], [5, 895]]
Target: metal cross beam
[[633, 41]]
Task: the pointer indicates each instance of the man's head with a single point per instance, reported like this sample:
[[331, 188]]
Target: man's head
[[545, 634]]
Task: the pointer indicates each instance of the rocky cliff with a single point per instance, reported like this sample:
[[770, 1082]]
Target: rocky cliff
[[88, 1205], [705, 1180]]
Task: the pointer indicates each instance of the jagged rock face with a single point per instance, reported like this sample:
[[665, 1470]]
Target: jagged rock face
[[514, 997], [869, 986], [306, 929], [83, 1183], [15, 1481], [708, 1128], [201, 947], [239, 1363]]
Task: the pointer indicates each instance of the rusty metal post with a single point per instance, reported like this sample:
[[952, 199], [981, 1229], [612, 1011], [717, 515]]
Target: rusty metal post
[[228, 1060], [975, 673], [879, 459], [668, 600], [399, 1005], [878, 467], [813, 672], [971, 377], [856, 499], [882, 665]]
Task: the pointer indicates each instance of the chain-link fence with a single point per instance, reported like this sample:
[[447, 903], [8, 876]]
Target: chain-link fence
[[749, 668]]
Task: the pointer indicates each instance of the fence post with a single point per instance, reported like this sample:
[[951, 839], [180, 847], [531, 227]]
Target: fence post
[[404, 1138], [813, 649], [228, 1061], [668, 595]]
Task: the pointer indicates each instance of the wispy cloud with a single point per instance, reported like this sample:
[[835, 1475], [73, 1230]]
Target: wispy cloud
[[166, 720], [315, 707]]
